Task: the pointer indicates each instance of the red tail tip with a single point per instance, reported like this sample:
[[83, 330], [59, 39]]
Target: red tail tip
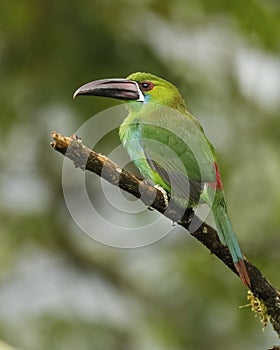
[[243, 273]]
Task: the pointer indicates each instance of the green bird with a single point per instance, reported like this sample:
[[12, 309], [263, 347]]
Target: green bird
[[169, 147]]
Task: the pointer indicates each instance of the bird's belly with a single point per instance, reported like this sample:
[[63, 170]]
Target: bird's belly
[[137, 155]]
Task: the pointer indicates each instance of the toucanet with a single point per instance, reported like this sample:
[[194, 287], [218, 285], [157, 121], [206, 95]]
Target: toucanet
[[169, 147]]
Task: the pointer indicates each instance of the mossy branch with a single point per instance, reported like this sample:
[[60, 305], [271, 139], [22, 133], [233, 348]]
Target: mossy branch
[[264, 298]]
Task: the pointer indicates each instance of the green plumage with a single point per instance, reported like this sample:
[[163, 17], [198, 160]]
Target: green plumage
[[167, 143]]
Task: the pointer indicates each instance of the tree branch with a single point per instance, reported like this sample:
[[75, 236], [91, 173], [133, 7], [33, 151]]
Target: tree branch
[[264, 298]]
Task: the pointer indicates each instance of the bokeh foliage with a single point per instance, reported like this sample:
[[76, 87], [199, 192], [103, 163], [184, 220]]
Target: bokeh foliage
[[58, 288]]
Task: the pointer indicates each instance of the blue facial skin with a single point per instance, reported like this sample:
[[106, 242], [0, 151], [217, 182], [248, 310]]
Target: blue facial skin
[[147, 98]]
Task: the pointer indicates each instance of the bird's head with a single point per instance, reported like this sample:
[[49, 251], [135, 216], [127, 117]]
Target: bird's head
[[138, 87]]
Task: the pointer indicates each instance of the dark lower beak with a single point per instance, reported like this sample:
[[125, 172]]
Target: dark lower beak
[[121, 89]]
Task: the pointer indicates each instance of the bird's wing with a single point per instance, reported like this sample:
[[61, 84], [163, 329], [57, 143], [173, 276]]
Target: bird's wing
[[180, 184], [176, 148]]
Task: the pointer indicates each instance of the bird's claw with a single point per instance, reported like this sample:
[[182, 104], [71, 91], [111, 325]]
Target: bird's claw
[[164, 194]]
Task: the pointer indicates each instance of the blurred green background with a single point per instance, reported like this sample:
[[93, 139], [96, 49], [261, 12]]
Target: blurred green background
[[60, 289]]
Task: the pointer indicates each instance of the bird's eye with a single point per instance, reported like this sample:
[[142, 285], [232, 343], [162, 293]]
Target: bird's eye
[[146, 86]]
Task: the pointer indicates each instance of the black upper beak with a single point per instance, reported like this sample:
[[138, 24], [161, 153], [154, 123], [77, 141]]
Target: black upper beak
[[121, 89]]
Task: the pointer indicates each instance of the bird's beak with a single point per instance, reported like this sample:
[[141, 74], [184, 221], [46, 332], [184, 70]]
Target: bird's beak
[[122, 89]]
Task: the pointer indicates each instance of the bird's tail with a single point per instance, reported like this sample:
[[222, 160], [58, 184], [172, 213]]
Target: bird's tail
[[228, 238]]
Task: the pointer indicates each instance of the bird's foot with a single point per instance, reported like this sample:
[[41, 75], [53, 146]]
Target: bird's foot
[[164, 194]]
